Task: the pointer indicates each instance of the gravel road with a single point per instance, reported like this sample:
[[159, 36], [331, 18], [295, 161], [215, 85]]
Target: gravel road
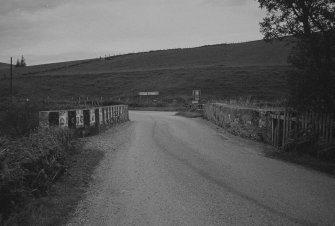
[[161, 169]]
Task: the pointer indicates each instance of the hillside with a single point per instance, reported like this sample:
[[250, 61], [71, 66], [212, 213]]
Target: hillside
[[255, 68], [3, 66]]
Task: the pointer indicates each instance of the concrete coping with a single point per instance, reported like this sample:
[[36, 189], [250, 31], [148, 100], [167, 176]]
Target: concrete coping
[[83, 109]]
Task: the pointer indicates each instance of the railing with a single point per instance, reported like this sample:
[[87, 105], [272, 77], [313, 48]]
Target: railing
[[288, 126], [81, 118]]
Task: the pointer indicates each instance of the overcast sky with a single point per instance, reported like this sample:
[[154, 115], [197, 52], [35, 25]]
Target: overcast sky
[[60, 30]]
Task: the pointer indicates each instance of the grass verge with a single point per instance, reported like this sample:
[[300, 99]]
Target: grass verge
[[42, 176], [304, 160], [63, 197]]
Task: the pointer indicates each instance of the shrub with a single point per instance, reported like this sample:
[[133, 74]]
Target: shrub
[[19, 119], [30, 165], [307, 141]]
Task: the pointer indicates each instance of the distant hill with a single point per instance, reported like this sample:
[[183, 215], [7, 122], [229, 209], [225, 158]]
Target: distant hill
[[254, 68]]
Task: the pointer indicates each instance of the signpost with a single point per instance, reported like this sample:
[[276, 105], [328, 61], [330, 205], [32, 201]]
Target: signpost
[[155, 93], [196, 96], [11, 79], [147, 94]]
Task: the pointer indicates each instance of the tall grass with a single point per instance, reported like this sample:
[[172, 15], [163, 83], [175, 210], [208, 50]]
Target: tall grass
[[29, 166]]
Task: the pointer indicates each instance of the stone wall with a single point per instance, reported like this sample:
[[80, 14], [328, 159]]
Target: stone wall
[[83, 118], [254, 124]]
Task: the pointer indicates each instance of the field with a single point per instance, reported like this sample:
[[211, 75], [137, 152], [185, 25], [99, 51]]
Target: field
[[4, 66], [253, 69]]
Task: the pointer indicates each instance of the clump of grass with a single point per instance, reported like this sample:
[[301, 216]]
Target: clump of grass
[[30, 165]]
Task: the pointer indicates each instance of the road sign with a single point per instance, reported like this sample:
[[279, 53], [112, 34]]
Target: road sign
[[196, 95], [155, 93]]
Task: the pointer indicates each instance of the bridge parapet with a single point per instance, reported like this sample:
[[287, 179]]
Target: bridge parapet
[[82, 118]]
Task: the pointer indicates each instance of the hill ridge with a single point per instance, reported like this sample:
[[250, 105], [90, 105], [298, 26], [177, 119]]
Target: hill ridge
[[254, 68]]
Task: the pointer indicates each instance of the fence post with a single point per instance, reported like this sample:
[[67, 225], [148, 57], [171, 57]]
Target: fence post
[[272, 131], [331, 127], [284, 129], [288, 129], [324, 126]]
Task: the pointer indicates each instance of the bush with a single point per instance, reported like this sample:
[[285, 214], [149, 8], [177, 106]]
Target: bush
[[30, 165], [19, 119], [307, 141]]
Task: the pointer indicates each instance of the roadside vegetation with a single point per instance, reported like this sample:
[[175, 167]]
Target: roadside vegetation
[[43, 172], [43, 176], [30, 165], [311, 24], [311, 81]]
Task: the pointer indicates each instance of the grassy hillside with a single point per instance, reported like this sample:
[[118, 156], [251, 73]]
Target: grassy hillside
[[257, 69], [3, 66]]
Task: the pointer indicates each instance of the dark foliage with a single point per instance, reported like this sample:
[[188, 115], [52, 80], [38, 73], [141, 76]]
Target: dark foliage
[[19, 119], [312, 24], [21, 63], [30, 165]]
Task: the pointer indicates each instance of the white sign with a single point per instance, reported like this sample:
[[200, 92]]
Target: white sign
[[155, 93], [80, 118], [63, 119], [196, 95], [92, 117]]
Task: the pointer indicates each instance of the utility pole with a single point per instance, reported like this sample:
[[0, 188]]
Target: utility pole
[[11, 79]]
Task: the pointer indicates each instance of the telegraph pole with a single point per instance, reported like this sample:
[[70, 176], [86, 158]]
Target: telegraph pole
[[11, 79]]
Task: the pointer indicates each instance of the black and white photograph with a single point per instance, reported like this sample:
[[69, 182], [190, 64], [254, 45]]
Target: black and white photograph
[[167, 112]]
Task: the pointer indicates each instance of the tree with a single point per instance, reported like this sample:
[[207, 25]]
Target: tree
[[311, 24], [17, 63], [23, 62]]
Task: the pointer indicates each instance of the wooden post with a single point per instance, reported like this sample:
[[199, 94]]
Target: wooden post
[[310, 120], [288, 126], [290, 123], [324, 126], [272, 132], [319, 125], [313, 122], [279, 123], [11, 80], [305, 120], [331, 127], [284, 129], [275, 131], [328, 126]]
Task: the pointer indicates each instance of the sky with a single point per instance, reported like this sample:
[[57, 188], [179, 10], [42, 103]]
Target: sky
[[47, 31]]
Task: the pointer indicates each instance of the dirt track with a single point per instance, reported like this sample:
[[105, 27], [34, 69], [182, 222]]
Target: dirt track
[[162, 169]]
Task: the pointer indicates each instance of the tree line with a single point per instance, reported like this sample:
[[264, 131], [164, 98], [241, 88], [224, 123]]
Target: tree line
[[21, 62]]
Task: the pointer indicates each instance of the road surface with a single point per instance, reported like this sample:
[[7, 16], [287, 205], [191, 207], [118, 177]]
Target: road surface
[[161, 169]]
